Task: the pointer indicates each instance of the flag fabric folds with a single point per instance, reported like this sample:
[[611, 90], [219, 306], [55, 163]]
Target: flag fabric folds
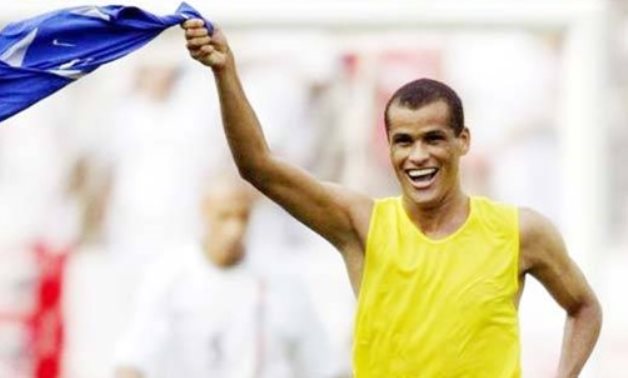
[[43, 54]]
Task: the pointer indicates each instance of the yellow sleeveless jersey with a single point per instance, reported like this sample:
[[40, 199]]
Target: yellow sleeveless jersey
[[439, 308]]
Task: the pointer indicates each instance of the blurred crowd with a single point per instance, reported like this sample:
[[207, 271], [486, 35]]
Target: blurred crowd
[[107, 269]]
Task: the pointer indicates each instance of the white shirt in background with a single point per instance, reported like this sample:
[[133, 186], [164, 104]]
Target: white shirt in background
[[194, 320]]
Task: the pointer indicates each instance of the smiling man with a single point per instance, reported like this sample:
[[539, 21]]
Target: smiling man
[[438, 274]]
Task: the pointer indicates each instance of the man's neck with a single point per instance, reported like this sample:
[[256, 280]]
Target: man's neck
[[440, 220]]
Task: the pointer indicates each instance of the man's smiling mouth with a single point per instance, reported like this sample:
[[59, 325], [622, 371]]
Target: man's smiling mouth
[[422, 177]]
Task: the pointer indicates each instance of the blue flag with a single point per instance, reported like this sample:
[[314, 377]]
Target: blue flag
[[43, 54]]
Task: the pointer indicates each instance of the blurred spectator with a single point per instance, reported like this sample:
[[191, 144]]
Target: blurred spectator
[[143, 161], [202, 311]]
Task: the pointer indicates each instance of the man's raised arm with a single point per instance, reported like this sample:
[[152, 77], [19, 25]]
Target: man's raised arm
[[339, 215]]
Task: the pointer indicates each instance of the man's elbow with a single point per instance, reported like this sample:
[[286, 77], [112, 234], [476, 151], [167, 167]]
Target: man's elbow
[[256, 172], [589, 310], [246, 171]]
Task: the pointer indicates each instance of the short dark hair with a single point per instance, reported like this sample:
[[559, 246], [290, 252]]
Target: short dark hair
[[422, 92]]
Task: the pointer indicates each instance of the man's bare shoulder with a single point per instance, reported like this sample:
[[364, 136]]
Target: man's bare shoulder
[[531, 223], [539, 238]]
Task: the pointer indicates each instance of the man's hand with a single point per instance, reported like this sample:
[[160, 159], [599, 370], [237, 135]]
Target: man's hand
[[210, 50]]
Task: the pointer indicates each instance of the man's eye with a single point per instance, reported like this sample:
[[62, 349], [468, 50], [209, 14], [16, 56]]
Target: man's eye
[[434, 138], [402, 140]]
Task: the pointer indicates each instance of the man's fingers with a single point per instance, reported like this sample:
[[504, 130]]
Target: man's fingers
[[193, 23], [198, 42], [196, 32], [197, 53], [207, 49]]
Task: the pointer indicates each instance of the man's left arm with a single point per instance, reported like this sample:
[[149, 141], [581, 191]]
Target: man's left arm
[[545, 257]]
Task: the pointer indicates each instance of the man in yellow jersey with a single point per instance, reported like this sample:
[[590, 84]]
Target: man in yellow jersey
[[438, 274]]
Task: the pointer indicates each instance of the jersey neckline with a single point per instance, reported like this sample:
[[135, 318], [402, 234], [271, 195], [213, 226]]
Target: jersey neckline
[[446, 238]]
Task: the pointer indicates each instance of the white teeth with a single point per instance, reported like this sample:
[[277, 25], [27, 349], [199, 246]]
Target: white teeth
[[421, 172]]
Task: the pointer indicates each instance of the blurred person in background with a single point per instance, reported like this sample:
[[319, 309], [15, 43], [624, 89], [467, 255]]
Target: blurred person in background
[[145, 170], [439, 274], [203, 312]]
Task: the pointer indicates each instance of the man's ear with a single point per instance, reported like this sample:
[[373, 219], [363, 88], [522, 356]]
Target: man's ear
[[464, 141]]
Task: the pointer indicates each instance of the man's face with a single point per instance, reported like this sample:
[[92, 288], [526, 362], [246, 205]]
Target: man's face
[[227, 216], [425, 152]]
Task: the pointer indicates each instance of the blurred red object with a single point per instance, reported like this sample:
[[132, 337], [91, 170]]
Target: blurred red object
[[46, 321]]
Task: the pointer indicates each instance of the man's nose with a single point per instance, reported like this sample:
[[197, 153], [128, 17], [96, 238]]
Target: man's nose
[[419, 153]]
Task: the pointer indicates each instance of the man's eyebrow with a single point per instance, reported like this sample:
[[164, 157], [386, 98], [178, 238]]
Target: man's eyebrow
[[433, 133], [400, 134]]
